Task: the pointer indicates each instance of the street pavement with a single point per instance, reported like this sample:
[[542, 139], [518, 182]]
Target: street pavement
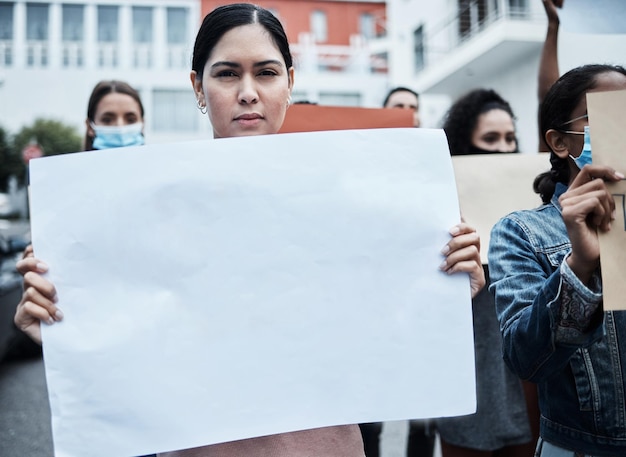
[[25, 414]]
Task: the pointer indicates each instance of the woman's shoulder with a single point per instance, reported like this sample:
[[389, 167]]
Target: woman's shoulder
[[543, 227]]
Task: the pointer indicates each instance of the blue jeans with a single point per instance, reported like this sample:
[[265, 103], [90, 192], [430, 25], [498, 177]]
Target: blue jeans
[[545, 449]]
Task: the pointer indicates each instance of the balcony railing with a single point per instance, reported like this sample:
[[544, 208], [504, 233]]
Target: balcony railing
[[36, 54], [73, 54], [6, 53], [357, 57], [469, 22]]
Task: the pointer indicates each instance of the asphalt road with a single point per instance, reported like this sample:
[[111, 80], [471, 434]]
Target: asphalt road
[[24, 411]]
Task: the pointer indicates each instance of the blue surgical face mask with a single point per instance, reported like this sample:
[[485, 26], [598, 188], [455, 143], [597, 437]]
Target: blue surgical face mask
[[108, 136], [585, 156]]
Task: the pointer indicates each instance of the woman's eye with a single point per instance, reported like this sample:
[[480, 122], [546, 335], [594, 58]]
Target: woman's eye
[[226, 74], [267, 73]]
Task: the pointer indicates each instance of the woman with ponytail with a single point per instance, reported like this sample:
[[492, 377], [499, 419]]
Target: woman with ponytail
[[545, 276]]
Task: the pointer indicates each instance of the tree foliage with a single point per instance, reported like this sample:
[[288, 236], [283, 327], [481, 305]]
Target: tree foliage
[[10, 162], [53, 136]]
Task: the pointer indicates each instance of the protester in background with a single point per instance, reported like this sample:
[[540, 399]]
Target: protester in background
[[115, 116], [404, 98], [482, 122], [549, 63], [242, 76], [545, 272]]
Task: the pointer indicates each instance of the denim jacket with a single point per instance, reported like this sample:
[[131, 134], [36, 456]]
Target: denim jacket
[[555, 333]]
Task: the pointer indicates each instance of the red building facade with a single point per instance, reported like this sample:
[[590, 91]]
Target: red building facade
[[331, 22]]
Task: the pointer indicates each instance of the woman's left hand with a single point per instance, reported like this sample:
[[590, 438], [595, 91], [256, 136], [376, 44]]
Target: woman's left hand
[[463, 254]]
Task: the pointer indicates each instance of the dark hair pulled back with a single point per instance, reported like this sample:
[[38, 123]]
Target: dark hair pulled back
[[225, 18], [556, 110]]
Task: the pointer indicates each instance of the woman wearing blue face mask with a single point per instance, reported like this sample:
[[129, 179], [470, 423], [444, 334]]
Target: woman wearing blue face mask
[[114, 116], [545, 276]]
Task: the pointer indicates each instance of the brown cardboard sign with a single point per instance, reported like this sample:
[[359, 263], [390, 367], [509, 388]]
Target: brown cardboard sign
[[607, 124], [491, 186], [312, 118]]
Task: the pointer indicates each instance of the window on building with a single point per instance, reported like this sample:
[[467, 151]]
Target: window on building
[[518, 7], [142, 24], [419, 48], [171, 111], [108, 18], [319, 26], [6, 21], [6, 33], [367, 25], [176, 25], [472, 14], [73, 31], [73, 20], [37, 34], [37, 21]]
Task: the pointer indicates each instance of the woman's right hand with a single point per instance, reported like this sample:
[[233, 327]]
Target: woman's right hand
[[551, 10], [39, 299], [587, 207]]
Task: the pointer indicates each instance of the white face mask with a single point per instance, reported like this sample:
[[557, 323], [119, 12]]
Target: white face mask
[[114, 136]]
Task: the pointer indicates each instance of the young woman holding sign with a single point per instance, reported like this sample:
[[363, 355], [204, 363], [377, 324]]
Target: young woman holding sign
[[242, 75], [545, 275]]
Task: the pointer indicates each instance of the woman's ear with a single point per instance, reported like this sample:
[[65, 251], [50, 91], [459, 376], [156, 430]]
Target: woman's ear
[[557, 142], [196, 83], [291, 73], [90, 132]]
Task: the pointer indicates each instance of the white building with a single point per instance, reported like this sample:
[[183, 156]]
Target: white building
[[445, 48], [53, 52]]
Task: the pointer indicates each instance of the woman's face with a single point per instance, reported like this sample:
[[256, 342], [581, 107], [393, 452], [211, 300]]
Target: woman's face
[[604, 82], [405, 100], [116, 109], [246, 85], [495, 132]]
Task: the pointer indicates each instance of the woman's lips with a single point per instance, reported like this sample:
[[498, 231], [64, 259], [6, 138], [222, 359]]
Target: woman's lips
[[249, 119]]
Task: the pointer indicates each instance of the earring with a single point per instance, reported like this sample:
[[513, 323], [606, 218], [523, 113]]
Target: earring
[[202, 107]]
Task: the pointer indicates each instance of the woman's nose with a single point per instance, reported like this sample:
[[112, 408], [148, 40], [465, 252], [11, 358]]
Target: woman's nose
[[506, 146], [247, 91]]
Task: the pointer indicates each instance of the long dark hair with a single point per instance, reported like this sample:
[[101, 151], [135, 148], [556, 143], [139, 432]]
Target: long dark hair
[[227, 17], [556, 110], [102, 89], [462, 117]]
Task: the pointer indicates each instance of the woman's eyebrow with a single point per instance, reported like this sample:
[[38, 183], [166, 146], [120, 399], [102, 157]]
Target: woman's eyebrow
[[268, 62], [225, 63]]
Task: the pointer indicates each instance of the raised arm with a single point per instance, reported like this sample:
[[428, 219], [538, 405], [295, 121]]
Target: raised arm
[[549, 63]]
